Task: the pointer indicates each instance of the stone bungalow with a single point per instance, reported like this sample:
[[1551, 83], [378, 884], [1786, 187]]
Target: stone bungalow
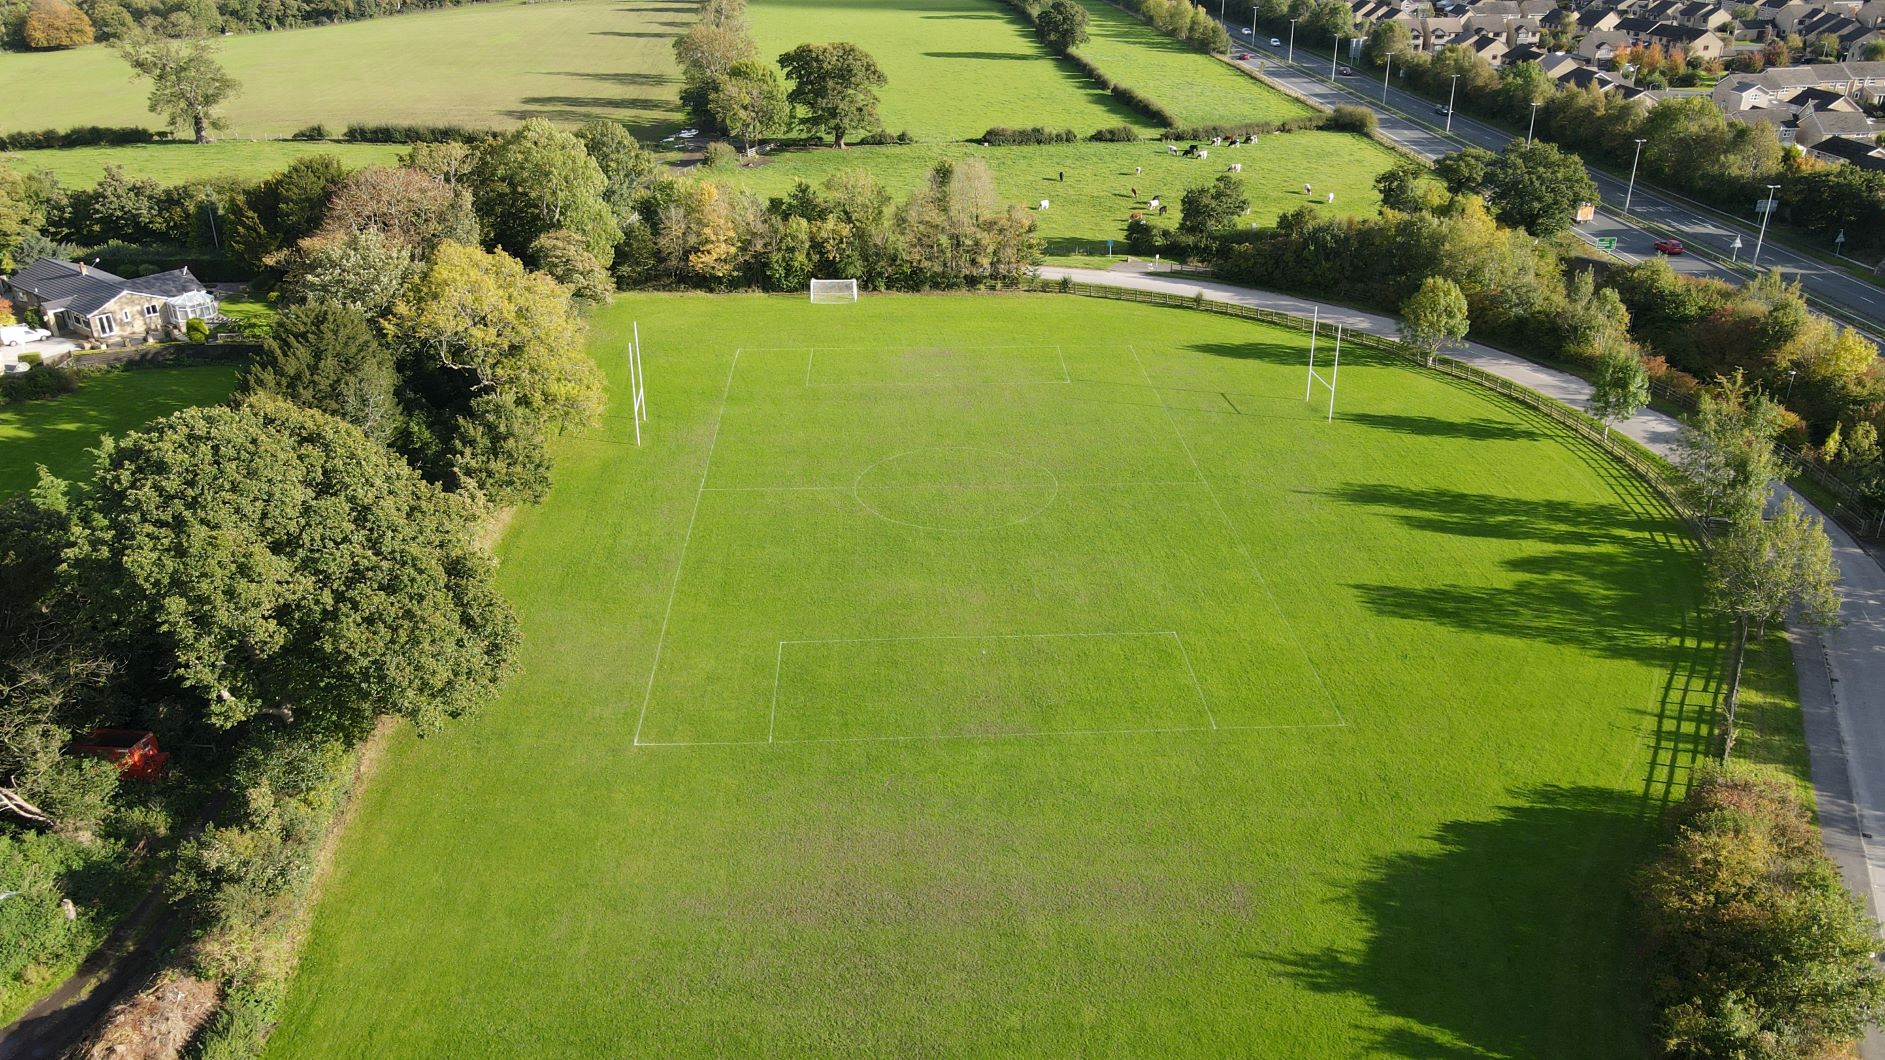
[[87, 303]]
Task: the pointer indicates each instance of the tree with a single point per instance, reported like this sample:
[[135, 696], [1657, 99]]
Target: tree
[[536, 179], [1061, 26], [705, 53], [56, 24], [1757, 949], [362, 269], [324, 355], [477, 325], [1210, 208], [626, 165], [272, 559], [563, 256], [1434, 315], [1401, 186], [1727, 451], [1761, 571], [1388, 38], [1537, 187], [750, 104], [835, 86], [281, 210], [1621, 388], [187, 83], [1464, 171], [413, 210]]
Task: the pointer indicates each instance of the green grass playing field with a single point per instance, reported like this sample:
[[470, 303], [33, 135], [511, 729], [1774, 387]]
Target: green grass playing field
[[59, 432], [956, 67], [1189, 83], [485, 64], [1036, 675], [1093, 204], [176, 163]]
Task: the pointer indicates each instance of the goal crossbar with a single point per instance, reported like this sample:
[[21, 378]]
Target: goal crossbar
[[1335, 365], [831, 292]]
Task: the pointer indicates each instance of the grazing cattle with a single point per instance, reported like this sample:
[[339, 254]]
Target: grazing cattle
[[1044, 204], [1236, 167]]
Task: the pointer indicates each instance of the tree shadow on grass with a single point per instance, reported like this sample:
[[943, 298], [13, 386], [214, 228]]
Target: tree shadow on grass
[[1461, 513], [999, 56], [1289, 353], [633, 35], [1483, 430], [1501, 937]]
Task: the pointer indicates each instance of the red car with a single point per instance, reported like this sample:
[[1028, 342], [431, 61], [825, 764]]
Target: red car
[[1669, 246], [1243, 57], [1348, 72]]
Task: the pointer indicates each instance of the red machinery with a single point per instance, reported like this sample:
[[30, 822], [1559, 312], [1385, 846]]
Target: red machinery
[[134, 750]]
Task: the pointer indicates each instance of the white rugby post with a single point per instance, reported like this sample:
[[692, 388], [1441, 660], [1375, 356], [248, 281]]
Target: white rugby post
[[638, 394], [1335, 369]]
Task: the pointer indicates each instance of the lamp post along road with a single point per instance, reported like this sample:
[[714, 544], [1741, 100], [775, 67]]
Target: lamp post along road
[[1451, 94], [1529, 129], [1335, 54], [1384, 80], [1765, 214], [1292, 40], [1634, 159]]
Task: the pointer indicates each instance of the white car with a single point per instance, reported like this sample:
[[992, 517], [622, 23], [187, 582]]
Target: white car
[[20, 334], [1276, 42]]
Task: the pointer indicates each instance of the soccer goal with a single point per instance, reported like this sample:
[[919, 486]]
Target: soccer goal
[[1335, 368], [832, 292]]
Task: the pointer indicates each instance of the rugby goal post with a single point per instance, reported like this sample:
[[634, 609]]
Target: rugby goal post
[[638, 394], [1335, 368], [833, 292]]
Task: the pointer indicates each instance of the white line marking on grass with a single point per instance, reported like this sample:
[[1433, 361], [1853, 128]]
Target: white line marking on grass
[[1206, 703], [977, 636], [1238, 538], [1025, 735], [661, 640], [1119, 484], [772, 718], [1062, 354]]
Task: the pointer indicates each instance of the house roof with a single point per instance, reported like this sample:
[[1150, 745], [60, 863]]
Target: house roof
[[83, 289], [1861, 153]]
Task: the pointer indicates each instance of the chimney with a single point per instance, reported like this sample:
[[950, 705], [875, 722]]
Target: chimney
[[81, 268]]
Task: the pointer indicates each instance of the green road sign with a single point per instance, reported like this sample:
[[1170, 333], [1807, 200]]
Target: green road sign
[[1606, 242]]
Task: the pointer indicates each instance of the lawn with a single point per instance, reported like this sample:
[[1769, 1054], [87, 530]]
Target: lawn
[[1093, 204], [484, 64], [1191, 84], [175, 163], [1031, 675], [59, 432], [955, 67]]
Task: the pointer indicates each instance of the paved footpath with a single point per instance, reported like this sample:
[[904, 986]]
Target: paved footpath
[[1841, 670]]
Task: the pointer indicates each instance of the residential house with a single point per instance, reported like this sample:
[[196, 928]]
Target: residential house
[[1861, 152], [85, 302]]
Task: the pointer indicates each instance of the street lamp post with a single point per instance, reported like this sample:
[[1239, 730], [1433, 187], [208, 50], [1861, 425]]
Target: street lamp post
[[1529, 129], [1292, 40], [1791, 372], [1765, 214], [1839, 243], [1384, 83], [1634, 159], [1451, 94], [1334, 54]]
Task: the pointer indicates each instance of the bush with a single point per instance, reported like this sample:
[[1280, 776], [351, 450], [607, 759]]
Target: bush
[[1002, 136], [1353, 119], [196, 329], [721, 155], [1227, 130], [1115, 134], [388, 133], [1757, 948], [78, 136], [882, 138], [38, 383], [317, 131]]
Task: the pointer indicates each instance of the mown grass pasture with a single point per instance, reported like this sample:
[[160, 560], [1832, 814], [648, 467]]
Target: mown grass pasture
[[59, 432], [1039, 675]]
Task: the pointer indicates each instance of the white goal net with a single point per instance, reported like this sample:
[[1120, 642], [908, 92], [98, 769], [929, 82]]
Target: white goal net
[[827, 292]]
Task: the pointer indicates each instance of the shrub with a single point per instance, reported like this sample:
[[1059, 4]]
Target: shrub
[[1757, 948], [388, 133], [1347, 118], [1227, 130], [78, 136], [721, 155], [1115, 134], [38, 383], [1002, 136], [196, 329], [882, 138], [317, 131]]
